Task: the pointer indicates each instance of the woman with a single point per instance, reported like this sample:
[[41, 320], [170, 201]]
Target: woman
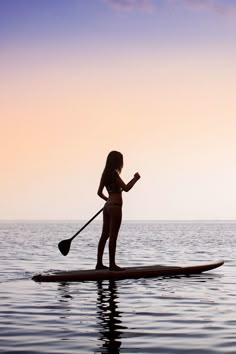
[[112, 212]]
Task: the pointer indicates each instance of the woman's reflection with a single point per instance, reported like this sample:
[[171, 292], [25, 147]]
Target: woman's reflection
[[109, 317]]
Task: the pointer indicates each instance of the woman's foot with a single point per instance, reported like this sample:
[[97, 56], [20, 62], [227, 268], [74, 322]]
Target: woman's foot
[[100, 267], [116, 268]]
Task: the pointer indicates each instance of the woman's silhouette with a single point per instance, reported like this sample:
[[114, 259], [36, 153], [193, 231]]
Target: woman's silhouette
[[112, 212]]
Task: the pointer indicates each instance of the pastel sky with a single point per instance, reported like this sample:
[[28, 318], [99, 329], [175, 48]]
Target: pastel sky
[[154, 79]]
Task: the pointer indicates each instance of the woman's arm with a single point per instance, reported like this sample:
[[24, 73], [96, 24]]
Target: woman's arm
[[128, 186], [100, 191]]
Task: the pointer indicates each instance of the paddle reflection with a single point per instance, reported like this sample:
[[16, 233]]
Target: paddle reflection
[[109, 317]]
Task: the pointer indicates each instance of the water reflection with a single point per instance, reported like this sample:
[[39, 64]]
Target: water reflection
[[64, 290], [109, 317]]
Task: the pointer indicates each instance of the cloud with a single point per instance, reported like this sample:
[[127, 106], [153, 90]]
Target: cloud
[[221, 7], [131, 5], [217, 6]]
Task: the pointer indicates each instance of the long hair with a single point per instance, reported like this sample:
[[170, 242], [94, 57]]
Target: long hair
[[114, 163]]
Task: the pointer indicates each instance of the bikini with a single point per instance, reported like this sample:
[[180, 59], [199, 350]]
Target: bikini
[[114, 188], [113, 204]]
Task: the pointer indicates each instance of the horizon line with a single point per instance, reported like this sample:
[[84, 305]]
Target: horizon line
[[124, 220]]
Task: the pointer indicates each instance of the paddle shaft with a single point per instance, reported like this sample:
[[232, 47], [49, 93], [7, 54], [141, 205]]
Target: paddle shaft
[[86, 224]]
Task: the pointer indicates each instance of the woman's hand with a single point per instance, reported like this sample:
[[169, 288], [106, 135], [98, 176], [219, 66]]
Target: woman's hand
[[128, 186]]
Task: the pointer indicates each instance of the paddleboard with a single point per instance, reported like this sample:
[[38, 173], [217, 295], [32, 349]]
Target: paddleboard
[[127, 273]]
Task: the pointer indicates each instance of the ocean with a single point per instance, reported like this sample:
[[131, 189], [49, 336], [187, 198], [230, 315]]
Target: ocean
[[164, 315]]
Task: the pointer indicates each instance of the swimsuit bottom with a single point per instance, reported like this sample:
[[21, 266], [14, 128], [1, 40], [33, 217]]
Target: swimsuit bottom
[[113, 204]]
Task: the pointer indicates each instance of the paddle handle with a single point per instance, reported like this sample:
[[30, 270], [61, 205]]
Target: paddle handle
[[86, 224]]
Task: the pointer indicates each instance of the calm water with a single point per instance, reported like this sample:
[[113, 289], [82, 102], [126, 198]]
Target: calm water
[[189, 315]]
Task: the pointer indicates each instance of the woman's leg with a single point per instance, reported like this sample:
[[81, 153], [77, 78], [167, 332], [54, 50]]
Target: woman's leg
[[103, 239], [115, 213]]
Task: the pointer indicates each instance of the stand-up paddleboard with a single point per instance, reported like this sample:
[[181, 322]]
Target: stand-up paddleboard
[[127, 273]]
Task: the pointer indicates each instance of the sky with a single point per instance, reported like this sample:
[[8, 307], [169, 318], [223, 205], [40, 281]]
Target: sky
[[154, 79]]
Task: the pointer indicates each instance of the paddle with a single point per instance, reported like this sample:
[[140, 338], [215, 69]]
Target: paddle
[[64, 246]]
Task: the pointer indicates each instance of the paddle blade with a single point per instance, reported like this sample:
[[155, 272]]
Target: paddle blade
[[64, 246]]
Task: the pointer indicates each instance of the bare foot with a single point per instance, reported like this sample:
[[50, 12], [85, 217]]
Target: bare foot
[[100, 267], [116, 268]]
